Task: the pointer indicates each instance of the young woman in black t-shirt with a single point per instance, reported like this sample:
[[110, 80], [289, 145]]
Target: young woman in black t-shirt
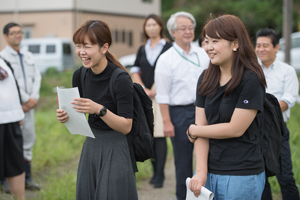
[[229, 111], [143, 73], [105, 169]]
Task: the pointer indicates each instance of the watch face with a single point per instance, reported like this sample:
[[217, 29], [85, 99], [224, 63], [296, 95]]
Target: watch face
[[102, 112]]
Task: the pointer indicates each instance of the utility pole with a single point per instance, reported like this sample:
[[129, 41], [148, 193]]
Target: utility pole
[[287, 28]]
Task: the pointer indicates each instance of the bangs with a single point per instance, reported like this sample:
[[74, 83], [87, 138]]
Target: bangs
[[79, 35], [219, 29]]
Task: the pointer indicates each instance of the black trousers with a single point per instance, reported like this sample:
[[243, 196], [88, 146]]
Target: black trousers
[[286, 180], [182, 117]]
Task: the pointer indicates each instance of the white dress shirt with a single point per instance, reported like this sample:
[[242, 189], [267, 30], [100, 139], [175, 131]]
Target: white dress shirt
[[10, 107], [283, 83], [151, 54], [176, 76]]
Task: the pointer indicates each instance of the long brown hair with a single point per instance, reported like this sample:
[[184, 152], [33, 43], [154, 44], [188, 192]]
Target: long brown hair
[[159, 22], [230, 28], [99, 33]]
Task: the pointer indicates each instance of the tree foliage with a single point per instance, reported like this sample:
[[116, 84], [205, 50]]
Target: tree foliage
[[255, 14]]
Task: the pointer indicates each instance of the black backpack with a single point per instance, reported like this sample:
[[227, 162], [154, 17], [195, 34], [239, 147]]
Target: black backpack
[[140, 139], [272, 134], [270, 137]]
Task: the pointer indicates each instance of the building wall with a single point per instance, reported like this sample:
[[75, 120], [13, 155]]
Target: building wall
[[61, 24], [125, 7], [60, 18]]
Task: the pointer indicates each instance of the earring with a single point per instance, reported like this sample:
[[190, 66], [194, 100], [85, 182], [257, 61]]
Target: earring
[[234, 49]]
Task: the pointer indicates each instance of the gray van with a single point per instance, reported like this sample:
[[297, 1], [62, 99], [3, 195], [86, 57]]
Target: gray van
[[51, 52]]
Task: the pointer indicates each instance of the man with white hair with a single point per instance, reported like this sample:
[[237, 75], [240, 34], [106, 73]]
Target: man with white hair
[[176, 75]]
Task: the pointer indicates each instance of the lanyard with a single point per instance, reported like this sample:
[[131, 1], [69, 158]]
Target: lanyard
[[198, 65]]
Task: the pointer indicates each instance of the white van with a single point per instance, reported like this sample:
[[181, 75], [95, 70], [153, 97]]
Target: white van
[[50, 52]]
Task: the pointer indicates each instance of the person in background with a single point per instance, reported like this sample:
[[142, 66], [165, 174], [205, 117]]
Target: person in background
[[105, 168], [176, 74], [142, 72], [29, 81], [229, 115], [283, 83], [11, 142]]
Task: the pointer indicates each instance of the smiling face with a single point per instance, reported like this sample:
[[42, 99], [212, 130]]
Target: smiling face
[[152, 28], [220, 51], [266, 51], [90, 54], [184, 34]]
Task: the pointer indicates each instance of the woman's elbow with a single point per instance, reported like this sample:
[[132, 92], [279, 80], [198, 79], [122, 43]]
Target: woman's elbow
[[127, 128]]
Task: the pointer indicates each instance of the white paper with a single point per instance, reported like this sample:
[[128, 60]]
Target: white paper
[[77, 123], [205, 194]]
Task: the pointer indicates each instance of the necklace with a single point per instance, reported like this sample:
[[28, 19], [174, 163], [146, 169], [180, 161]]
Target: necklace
[[198, 65]]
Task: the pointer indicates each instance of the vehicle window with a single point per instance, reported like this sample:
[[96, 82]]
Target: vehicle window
[[295, 43], [35, 49], [66, 48], [50, 48]]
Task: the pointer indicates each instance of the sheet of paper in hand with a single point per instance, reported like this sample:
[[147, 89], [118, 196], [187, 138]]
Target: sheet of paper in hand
[[77, 123]]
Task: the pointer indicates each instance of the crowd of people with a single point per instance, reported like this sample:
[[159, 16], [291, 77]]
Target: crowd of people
[[198, 101]]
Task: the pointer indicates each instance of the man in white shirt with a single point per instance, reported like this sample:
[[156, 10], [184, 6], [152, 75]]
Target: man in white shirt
[[29, 80], [176, 75], [283, 83]]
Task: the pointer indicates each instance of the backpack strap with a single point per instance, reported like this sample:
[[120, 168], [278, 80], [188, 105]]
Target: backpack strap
[[12, 70], [83, 71], [112, 81]]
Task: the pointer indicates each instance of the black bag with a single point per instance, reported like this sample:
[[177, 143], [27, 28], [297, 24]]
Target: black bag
[[142, 122], [272, 134], [140, 139], [270, 137]]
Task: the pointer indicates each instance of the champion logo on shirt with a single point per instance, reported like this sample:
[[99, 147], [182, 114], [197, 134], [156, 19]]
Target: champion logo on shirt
[[246, 101]]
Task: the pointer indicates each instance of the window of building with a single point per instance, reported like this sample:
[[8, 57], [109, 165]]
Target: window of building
[[116, 35], [130, 42], [50, 48], [123, 36], [27, 31], [35, 49]]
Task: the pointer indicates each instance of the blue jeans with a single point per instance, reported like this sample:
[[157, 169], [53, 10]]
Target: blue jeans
[[228, 187]]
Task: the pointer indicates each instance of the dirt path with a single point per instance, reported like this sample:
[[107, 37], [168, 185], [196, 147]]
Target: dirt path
[[167, 192]]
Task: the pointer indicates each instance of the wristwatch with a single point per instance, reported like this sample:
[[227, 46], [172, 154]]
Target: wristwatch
[[102, 112]]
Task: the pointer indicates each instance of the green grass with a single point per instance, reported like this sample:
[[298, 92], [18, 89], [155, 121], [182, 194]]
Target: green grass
[[56, 151]]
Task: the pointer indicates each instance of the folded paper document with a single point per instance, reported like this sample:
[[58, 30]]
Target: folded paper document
[[205, 194]]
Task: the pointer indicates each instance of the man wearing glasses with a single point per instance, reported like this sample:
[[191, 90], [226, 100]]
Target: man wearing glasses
[[176, 75], [29, 80]]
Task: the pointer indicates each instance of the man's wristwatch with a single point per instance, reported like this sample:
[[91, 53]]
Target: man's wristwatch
[[102, 112]]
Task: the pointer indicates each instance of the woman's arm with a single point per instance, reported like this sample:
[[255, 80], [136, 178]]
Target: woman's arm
[[201, 146], [240, 121], [117, 123]]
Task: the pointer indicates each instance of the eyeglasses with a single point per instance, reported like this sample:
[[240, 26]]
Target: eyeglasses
[[16, 33], [184, 29]]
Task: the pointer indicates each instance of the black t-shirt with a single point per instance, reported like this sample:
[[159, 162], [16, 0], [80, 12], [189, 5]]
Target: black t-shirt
[[96, 88], [242, 155]]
